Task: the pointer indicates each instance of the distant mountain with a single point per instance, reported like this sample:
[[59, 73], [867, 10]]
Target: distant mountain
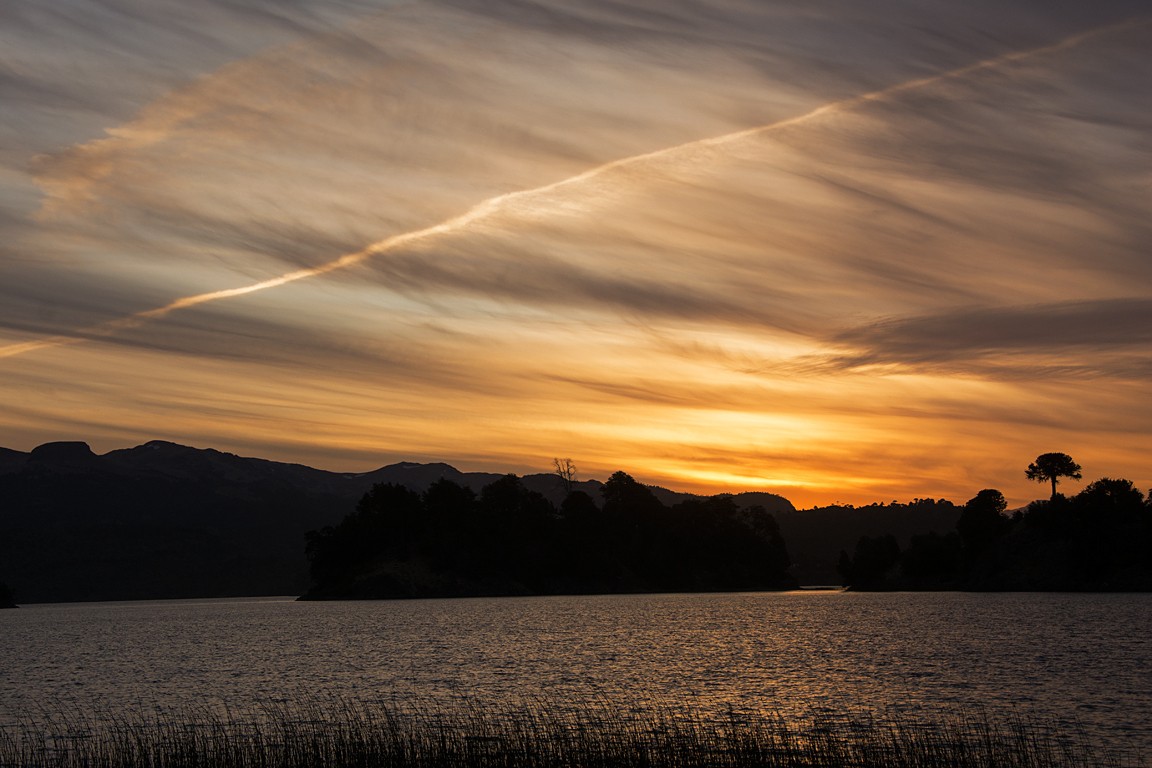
[[163, 520], [159, 520]]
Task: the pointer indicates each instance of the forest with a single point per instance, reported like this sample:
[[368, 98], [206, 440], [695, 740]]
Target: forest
[[167, 521], [509, 540], [1098, 540]]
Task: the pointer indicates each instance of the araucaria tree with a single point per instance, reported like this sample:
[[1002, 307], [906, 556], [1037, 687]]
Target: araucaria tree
[[1049, 467]]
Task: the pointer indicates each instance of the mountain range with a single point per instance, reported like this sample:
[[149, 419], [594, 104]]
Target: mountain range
[[162, 520]]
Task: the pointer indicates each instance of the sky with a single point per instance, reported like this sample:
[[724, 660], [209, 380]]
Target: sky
[[840, 251]]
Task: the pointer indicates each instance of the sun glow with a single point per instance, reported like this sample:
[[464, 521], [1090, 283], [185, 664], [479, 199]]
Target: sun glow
[[716, 255]]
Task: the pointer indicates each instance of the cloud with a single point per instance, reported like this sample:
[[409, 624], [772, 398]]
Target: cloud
[[1077, 333], [881, 267]]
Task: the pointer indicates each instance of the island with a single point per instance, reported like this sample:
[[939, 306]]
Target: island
[[509, 540]]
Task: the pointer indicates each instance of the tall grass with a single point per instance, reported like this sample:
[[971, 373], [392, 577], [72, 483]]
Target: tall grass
[[354, 734]]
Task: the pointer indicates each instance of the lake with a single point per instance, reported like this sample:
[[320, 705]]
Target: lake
[[1071, 659]]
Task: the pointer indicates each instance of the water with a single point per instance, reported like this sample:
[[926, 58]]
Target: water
[[1079, 660]]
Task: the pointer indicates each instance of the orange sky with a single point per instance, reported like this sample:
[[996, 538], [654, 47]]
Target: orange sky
[[835, 254]]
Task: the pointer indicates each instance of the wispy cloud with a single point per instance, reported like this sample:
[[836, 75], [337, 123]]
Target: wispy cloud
[[1071, 332], [727, 229]]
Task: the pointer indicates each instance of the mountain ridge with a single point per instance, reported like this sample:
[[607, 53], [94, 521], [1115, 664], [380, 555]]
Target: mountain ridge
[[164, 520], [177, 460]]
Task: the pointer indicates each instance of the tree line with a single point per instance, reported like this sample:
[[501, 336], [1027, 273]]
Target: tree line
[[1098, 539], [508, 540]]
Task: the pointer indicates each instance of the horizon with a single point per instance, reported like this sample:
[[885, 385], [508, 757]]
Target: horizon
[[580, 476], [835, 255]]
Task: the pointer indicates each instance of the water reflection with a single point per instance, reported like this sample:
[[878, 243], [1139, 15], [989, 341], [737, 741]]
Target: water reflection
[[1070, 658]]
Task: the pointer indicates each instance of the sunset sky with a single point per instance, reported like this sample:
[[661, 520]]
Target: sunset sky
[[840, 251]]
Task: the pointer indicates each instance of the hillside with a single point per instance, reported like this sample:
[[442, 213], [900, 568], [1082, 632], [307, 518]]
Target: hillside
[[162, 520]]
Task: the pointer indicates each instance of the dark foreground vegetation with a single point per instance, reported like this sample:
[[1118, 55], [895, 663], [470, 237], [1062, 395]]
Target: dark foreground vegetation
[[168, 521], [510, 540], [364, 735], [816, 536], [1097, 540]]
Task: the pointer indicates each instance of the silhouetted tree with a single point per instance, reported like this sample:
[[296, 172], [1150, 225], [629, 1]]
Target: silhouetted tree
[[566, 471], [1110, 498], [872, 560], [623, 496], [385, 525], [1049, 467], [844, 568], [769, 553], [578, 505], [453, 526], [932, 559], [589, 545], [390, 517], [982, 520], [631, 511], [510, 540], [1051, 514], [517, 531]]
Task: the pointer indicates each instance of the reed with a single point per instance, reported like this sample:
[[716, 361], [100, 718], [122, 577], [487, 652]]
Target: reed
[[534, 734]]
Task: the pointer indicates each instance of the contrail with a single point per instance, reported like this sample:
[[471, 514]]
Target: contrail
[[500, 203]]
